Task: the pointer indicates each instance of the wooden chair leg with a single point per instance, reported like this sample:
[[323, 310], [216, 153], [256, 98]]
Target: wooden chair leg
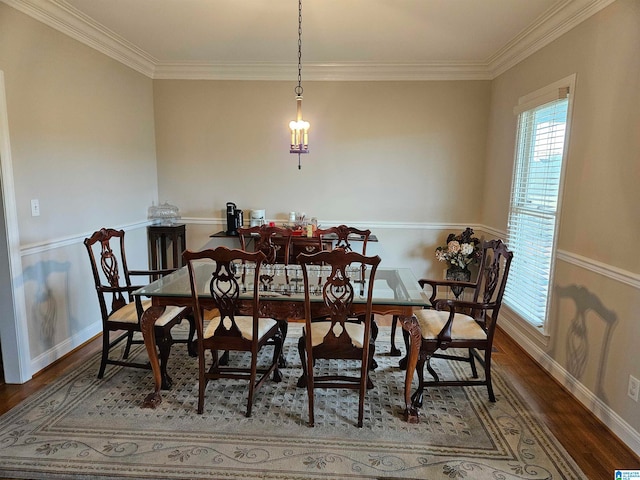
[[472, 361], [277, 353], [374, 335], [395, 351], [431, 370], [302, 381], [105, 353], [252, 384], [127, 349], [364, 379], [310, 388], [374, 328], [284, 328], [487, 373], [372, 351], [202, 380], [215, 360], [191, 346]]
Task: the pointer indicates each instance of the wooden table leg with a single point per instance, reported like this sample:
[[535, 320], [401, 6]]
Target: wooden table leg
[[147, 324], [410, 324]]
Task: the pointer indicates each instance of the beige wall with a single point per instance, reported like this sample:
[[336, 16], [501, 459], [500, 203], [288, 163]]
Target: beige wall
[[603, 167], [82, 133], [82, 142], [379, 151], [594, 337]]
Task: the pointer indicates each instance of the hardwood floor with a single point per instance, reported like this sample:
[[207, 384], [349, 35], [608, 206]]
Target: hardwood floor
[[594, 448]]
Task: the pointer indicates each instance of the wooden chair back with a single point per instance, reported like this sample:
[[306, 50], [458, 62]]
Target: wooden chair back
[[224, 285], [342, 272], [274, 242], [109, 267], [343, 232], [494, 269], [488, 288]]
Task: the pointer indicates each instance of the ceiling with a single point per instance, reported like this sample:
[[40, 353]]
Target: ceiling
[[342, 39]]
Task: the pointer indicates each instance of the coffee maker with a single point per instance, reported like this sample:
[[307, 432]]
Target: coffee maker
[[235, 219]]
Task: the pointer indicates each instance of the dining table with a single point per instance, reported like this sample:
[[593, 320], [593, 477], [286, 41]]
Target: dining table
[[396, 292]]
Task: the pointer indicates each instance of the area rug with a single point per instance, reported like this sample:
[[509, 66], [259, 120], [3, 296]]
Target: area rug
[[84, 428]]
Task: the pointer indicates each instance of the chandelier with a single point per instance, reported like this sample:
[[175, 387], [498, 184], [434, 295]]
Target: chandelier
[[299, 128]]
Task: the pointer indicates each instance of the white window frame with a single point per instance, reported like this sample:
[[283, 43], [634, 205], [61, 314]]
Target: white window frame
[[526, 104]]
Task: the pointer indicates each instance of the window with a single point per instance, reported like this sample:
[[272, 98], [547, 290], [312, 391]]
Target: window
[[535, 198]]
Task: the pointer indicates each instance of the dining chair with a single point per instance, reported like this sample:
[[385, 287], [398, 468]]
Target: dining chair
[[337, 337], [275, 243], [121, 311], [345, 240], [464, 324], [343, 232], [239, 327]]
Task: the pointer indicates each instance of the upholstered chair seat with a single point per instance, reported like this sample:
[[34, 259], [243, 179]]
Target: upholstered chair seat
[[245, 325], [129, 314], [464, 327], [355, 331]]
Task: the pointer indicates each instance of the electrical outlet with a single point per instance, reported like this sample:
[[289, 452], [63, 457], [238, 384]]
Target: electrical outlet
[[35, 207], [634, 388]]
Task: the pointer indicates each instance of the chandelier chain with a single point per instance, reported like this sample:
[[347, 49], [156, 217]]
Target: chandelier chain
[[299, 89]]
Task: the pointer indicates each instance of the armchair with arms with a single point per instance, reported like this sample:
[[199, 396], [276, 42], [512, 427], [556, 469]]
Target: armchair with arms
[[121, 311], [460, 324]]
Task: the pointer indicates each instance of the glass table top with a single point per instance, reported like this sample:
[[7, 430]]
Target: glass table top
[[392, 286]]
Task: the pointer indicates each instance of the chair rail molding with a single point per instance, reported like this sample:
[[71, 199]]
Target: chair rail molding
[[600, 268], [40, 247], [609, 271]]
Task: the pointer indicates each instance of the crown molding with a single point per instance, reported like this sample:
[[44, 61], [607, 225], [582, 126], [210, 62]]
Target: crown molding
[[323, 71], [553, 23], [60, 16]]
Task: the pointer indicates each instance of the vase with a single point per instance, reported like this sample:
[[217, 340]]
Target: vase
[[460, 275]]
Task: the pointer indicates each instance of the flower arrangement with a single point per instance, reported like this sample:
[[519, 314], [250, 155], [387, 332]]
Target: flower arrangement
[[460, 250]]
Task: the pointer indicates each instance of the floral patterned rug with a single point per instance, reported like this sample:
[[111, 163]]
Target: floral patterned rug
[[84, 428]]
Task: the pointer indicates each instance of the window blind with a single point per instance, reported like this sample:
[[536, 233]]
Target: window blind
[[533, 211]]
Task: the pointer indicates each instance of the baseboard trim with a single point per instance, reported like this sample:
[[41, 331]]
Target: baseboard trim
[[47, 358], [606, 415]]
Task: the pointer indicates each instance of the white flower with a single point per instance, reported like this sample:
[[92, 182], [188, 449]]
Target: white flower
[[466, 249]]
